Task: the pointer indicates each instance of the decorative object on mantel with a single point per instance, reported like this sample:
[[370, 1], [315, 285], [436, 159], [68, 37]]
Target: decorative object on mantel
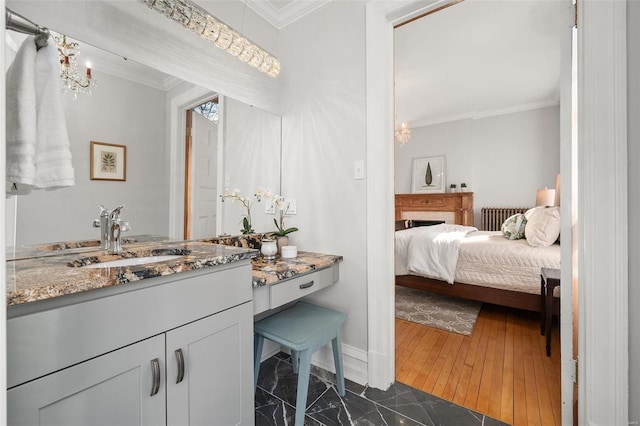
[[402, 133], [453, 188], [72, 80], [428, 175], [108, 161], [213, 30], [246, 203], [463, 187]]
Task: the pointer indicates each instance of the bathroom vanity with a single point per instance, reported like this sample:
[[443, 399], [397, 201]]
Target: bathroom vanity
[[166, 338], [143, 346]]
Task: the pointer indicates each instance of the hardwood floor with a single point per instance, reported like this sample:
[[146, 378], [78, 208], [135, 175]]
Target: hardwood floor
[[501, 370]]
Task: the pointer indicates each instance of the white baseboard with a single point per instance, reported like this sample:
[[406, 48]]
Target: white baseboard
[[354, 360]]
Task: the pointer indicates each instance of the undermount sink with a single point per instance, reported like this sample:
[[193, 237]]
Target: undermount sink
[[135, 261]]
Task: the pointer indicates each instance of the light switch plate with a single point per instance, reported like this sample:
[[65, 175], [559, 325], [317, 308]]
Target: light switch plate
[[292, 207], [270, 207], [358, 169]]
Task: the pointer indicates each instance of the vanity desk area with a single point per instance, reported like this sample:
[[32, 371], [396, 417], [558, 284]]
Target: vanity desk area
[[84, 337]]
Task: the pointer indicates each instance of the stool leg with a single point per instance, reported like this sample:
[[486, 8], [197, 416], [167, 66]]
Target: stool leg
[[303, 386], [258, 341], [337, 360], [294, 361]]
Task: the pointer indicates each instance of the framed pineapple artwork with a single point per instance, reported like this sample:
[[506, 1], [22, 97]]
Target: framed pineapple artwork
[[108, 161], [428, 175]]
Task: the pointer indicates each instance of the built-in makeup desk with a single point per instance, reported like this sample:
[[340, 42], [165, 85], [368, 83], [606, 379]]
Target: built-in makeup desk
[[280, 281]]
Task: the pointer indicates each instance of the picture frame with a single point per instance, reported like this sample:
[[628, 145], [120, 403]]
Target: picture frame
[[428, 175], [108, 161]]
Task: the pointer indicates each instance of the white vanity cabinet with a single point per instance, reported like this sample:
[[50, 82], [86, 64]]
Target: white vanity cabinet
[[187, 341], [113, 389]]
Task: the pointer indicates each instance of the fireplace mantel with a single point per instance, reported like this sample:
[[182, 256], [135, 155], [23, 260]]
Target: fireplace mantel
[[456, 207]]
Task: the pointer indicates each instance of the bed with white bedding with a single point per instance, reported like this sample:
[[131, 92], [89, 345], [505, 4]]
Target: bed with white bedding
[[461, 261]]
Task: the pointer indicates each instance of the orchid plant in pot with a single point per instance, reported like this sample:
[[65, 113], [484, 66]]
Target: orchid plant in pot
[[282, 234], [246, 203]]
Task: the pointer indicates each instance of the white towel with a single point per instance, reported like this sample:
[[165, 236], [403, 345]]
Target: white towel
[[53, 150], [21, 118], [38, 148]]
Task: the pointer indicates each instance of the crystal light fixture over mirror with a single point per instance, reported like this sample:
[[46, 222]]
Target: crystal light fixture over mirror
[[210, 28], [72, 80]]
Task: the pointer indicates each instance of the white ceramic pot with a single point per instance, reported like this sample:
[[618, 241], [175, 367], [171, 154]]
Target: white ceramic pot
[[268, 248]]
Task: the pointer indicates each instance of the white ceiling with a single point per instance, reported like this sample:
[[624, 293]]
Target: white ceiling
[[473, 59], [478, 58]]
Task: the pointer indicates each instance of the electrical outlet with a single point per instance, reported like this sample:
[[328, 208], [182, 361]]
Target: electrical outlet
[[291, 207], [270, 207]]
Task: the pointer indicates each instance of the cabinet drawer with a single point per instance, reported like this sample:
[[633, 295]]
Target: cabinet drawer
[[296, 288]]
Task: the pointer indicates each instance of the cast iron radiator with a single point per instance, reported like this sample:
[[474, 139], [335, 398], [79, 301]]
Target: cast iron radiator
[[494, 217]]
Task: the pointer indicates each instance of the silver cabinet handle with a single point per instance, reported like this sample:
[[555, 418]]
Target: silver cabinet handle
[[180, 359], [307, 285], [155, 371]]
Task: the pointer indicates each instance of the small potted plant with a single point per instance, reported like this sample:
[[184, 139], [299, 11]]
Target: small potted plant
[[246, 203], [282, 234]]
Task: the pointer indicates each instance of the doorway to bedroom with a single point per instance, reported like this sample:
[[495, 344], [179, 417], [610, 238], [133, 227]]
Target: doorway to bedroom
[[497, 130]]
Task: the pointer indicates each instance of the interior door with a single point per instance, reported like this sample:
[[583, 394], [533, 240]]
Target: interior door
[[204, 160]]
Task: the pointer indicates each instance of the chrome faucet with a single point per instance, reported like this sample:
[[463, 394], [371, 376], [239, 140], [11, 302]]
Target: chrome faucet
[[111, 226]]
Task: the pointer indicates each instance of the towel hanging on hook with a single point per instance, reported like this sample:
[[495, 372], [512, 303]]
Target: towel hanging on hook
[[19, 23]]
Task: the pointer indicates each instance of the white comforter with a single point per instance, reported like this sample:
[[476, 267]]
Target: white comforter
[[430, 251], [487, 259]]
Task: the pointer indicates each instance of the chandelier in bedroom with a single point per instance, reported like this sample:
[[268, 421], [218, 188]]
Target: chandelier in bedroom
[[402, 133]]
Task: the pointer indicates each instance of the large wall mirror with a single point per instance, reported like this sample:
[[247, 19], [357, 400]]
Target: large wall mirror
[[146, 110]]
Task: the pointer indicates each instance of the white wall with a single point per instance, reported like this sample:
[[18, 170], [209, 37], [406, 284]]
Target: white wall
[[252, 140], [503, 159], [118, 112], [324, 132], [633, 93]]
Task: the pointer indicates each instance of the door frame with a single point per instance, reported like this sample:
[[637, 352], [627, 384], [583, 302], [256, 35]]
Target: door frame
[[176, 148], [602, 132]]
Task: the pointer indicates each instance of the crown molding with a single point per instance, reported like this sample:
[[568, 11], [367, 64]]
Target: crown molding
[[280, 17], [474, 115]]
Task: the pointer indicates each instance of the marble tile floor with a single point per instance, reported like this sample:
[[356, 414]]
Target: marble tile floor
[[399, 405]]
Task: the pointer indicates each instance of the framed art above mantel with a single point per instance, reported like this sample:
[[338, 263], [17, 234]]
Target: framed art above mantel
[[428, 175]]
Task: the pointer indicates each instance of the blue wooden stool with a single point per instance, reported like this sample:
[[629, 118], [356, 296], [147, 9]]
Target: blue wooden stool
[[303, 328]]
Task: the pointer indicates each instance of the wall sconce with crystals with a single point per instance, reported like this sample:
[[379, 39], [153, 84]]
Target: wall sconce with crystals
[[210, 28], [402, 133], [72, 80]]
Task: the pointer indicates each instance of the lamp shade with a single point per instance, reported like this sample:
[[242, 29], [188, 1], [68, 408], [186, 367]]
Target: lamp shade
[[557, 201], [545, 197]]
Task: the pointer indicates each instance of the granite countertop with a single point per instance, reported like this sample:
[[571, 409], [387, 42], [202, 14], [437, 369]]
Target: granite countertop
[[46, 271], [275, 271], [45, 277]]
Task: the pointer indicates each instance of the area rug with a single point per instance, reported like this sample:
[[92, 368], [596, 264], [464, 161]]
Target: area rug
[[434, 310]]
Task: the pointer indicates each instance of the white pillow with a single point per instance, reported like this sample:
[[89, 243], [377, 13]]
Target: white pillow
[[543, 226], [513, 228]]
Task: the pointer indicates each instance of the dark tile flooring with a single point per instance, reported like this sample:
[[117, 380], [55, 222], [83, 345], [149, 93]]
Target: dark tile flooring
[[400, 405]]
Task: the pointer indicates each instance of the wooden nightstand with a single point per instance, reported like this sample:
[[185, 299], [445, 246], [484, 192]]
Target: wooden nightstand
[[549, 280]]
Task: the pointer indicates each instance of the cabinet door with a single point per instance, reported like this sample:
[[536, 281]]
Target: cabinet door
[[217, 385], [112, 389]]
